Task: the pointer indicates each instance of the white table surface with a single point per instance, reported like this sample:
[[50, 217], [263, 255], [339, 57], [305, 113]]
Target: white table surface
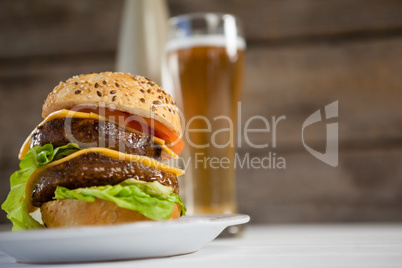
[[339, 245]]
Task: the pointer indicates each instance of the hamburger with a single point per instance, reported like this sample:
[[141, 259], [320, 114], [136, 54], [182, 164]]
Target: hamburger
[[97, 157]]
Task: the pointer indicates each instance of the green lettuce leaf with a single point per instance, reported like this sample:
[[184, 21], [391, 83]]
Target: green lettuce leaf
[[15, 204], [151, 199], [154, 189]]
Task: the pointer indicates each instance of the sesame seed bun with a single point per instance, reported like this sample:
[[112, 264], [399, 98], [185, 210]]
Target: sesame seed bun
[[72, 212], [118, 91]]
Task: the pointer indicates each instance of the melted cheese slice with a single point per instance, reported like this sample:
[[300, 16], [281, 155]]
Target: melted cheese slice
[[73, 114], [144, 160]]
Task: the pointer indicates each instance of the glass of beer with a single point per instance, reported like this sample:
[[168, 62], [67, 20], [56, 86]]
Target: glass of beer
[[204, 66]]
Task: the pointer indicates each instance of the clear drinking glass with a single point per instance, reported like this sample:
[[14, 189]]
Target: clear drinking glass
[[204, 66]]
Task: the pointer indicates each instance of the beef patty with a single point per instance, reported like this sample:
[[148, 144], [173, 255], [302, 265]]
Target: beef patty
[[95, 169], [94, 133]]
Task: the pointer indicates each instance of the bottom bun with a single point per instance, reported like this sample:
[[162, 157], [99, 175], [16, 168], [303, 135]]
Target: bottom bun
[[72, 212]]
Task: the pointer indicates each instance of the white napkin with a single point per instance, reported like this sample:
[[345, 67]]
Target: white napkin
[[142, 38]]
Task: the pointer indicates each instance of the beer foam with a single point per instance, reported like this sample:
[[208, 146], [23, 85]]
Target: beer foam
[[205, 40]]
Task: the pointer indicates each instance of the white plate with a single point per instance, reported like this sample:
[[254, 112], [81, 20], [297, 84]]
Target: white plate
[[125, 241]]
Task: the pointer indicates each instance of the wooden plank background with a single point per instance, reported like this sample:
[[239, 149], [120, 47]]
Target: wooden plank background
[[302, 55], [307, 19]]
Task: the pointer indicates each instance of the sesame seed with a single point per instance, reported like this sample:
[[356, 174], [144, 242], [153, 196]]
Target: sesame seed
[[99, 93], [104, 82], [96, 86], [151, 84], [153, 108], [75, 83], [156, 102], [114, 98], [149, 91], [158, 90], [112, 91], [143, 82], [160, 97], [142, 90], [77, 91], [142, 99], [117, 84]]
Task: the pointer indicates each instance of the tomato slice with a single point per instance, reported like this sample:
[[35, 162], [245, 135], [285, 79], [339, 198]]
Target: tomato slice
[[161, 131], [142, 124]]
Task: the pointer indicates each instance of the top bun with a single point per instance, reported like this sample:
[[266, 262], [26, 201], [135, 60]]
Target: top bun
[[118, 91]]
